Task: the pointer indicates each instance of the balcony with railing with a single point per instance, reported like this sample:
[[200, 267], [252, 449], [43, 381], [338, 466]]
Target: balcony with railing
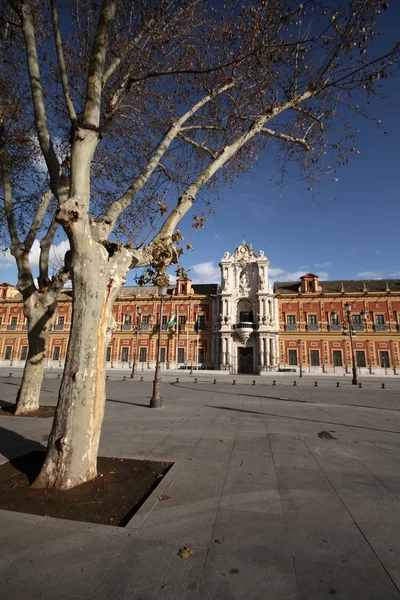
[[381, 327], [12, 327], [145, 326], [126, 326], [313, 327], [59, 326], [398, 326], [335, 327], [291, 327], [244, 325], [357, 327], [157, 327]]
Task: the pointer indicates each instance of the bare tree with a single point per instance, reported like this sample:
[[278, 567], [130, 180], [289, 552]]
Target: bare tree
[[216, 87], [29, 215]]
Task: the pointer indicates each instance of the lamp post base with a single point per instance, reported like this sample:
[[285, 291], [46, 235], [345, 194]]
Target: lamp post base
[[156, 401], [134, 371]]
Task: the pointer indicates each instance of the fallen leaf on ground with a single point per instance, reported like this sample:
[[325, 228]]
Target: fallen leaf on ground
[[191, 459], [164, 497], [219, 541], [224, 441], [325, 435], [185, 552], [164, 587]]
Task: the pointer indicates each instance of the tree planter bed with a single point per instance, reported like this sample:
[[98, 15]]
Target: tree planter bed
[[112, 498]]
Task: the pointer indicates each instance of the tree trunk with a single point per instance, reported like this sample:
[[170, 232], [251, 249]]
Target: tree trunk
[[39, 310], [73, 443]]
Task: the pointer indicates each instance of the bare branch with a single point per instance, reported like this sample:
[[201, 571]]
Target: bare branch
[[37, 93], [123, 202], [61, 62], [187, 199], [38, 219], [8, 206], [197, 145], [45, 246], [91, 114], [287, 138]]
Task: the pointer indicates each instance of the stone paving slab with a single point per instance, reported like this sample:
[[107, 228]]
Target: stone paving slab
[[272, 511]]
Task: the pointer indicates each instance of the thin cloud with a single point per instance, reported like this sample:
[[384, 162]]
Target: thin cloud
[[217, 237], [323, 265], [205, 272], [369, 275], [6, 259]]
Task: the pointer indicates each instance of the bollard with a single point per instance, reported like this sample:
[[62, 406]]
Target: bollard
[[383, 386], [360, 385], [254, 382], [177, 380], [195, 379], [108, 377], [10, 375], [215, 381], [124, 378], [294, 382], [234, 382], [274, 382], [141, 379], [315, 383], [337, 384], [59, 376]]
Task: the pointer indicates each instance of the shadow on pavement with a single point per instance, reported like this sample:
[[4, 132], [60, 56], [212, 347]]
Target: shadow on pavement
[[12, 444], [257, 412]]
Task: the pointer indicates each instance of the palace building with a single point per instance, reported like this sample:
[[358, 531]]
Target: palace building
[[245, 325]]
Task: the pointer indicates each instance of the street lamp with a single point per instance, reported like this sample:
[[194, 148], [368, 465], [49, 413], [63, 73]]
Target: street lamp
[[347, 307], [155, 401], [138, 316], [300, 359]]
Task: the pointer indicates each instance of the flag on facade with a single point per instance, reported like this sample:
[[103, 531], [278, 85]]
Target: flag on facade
[[172, 321]]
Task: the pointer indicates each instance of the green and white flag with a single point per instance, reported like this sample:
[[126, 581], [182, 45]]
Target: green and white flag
[[172, 321]]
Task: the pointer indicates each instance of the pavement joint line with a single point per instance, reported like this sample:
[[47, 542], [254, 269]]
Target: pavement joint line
[[355, 522]]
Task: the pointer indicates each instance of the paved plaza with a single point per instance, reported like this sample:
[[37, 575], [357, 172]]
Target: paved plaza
[[270, 509]]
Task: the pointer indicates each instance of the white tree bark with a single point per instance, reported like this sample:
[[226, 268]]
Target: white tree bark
[[39, 310], [74, 439]]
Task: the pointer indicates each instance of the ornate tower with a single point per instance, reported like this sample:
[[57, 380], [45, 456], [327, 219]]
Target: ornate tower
[[247, 328]]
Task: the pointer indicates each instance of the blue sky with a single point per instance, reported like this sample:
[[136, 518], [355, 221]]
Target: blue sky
[[351, 232]]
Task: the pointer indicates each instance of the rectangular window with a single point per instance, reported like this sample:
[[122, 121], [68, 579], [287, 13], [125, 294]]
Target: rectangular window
[[292, 357], [379, 319], [202, 322], [165, 319], [334, 319], [182, 320], [124, 354], [200, 357], [13, 320], [146, 318], [24, 352], [314, 357], [60, 321], [291, 319], [337, 358], [143, 355], [1, 321], [245, 317], [312, 319], [384, 357], [356, 319], [181, 355], [127, 319], [360, 357], [162, 355], [7, 354], [108, 354], [56, 353]]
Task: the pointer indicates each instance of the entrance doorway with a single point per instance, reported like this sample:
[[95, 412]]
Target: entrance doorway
[[245, 360]]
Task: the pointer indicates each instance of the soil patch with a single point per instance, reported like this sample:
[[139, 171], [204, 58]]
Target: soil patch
[[121, 487], [43, 412]]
